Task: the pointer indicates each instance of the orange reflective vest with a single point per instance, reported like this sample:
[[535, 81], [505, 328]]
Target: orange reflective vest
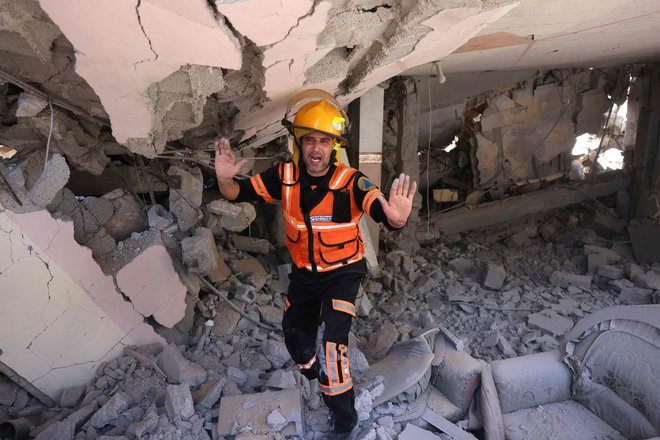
[[315, 241]]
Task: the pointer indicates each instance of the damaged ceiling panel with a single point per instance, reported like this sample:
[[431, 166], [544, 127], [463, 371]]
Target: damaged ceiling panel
[[157, 65]]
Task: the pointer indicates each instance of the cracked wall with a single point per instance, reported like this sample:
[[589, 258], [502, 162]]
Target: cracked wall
[[61, 316]]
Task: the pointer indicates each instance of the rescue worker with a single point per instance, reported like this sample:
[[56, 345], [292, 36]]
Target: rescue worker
[[322, 203]]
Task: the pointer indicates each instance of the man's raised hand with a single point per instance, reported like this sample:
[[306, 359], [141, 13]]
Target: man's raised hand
[[398, 207], [226, 166]]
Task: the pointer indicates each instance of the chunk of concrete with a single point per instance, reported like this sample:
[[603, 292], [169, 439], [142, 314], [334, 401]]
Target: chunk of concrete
[[381, 341], [159, 218], [594, 261], [200, 254], [611, 272], [647, 280], [178, 402], [235, 217], [185, 195], [71, 396], [111, 410], [495, 276], [50, 182], [128, 216], [180, 370], [607, 225], [275, 352], [283, 380], [252, 245], [153, 286], [237, 413], [565, 280], [256, 274], [636, 295], [143, 427], [238, 376], [226, 318], [63, 430], [612, 256], [557, 325], [207, 396], [29, 105], [271, 315]]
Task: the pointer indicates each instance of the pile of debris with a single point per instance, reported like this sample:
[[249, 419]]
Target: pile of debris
[[493, 294]]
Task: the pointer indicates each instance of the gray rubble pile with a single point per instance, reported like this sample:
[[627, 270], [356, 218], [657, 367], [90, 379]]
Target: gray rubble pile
[[490, 296]]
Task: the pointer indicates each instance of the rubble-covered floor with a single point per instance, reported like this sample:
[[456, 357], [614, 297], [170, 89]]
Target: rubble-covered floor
[[501, 292]]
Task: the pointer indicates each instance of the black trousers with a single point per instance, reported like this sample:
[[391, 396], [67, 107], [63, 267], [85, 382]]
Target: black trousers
[[329, 298]]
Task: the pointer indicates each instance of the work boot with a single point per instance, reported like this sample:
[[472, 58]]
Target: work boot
[[348, 435]]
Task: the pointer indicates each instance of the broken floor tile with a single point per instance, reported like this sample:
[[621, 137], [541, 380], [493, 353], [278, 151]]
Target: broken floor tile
[[249, 413]]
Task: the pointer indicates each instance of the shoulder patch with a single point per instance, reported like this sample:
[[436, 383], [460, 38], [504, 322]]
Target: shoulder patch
[[364, 184]]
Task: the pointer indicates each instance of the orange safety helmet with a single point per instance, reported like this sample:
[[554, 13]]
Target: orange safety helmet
[[320, 113]]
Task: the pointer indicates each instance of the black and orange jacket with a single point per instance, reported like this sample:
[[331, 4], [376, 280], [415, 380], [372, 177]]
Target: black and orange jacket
[[324, 236]]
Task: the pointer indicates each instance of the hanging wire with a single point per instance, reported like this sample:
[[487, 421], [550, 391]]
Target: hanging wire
[[50, 132]]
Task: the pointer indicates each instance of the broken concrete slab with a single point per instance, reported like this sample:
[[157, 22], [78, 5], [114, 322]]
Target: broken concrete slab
[[557, 325], [565, 280], [647, 280], [636, 295], [249, 244], [186, 195], [226, 318], [250, 412], [29, 105], [235, 217], [276, 353], [611, 272], [180, 370], [207, 397], [251, 269], [178, 402], [111, 410], [71, 396], [200, 254], [54, 177], [495, 276], [612, 256], [159, 218], [128, 216], [152, 284]]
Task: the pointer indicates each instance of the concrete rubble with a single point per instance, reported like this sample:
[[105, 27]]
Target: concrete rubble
[[237, 377]]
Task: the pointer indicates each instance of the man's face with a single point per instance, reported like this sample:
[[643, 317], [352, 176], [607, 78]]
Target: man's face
[[317, 152]]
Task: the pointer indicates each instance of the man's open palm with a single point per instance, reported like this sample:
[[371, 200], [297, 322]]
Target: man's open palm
[[226, 166], [398, 207]]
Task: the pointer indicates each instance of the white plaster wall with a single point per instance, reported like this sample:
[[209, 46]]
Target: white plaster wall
[[60, 316]]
